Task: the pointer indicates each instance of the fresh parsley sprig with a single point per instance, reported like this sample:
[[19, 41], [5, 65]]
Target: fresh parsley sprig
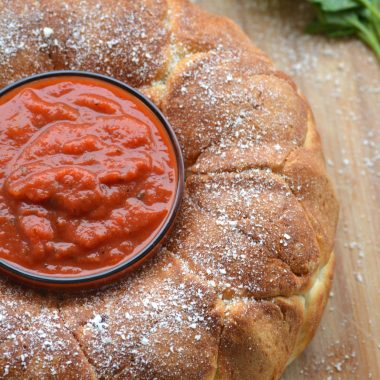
[[340, 18]]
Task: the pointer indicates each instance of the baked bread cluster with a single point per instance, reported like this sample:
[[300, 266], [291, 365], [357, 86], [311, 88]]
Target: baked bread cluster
[[238, 289]]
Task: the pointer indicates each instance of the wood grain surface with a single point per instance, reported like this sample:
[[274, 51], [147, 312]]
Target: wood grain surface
[[341, 80]]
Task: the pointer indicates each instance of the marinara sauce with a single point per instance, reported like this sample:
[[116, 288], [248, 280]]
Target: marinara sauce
[[87, 175]]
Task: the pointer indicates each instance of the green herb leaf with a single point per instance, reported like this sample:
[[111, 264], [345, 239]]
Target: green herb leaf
[[335, 5], [342, 18], [329, 30]]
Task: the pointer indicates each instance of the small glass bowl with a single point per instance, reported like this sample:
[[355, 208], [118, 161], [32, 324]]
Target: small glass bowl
[[113, 273]]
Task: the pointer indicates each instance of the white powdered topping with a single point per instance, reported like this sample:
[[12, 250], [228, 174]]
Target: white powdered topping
[[48, 32]]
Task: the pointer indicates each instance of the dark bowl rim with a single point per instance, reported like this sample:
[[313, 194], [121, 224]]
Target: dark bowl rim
[[119, 268]]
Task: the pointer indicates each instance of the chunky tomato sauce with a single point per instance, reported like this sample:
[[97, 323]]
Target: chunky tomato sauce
[[87, 175]]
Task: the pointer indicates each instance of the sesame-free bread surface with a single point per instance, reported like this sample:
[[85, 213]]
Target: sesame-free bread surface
[[239, 288]]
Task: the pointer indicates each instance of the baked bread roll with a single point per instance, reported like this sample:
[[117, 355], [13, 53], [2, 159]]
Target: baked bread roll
[[239, 288]]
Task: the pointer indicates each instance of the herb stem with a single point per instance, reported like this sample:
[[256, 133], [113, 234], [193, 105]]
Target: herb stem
[[366, 36], [372, 8]]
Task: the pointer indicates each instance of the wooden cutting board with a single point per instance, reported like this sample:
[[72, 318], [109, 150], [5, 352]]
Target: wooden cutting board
[[341, 80]]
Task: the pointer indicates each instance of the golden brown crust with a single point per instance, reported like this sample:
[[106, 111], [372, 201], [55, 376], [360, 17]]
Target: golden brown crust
[[34, 342], [147, 325], [18, 46], [260, 338], [232, 112], [257, 338], [315, 300], [197, 31], [256, 240], [125, 40], [240, 288], [305, 173]]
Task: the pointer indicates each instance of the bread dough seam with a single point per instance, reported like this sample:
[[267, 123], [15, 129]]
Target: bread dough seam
[[80, 347]]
